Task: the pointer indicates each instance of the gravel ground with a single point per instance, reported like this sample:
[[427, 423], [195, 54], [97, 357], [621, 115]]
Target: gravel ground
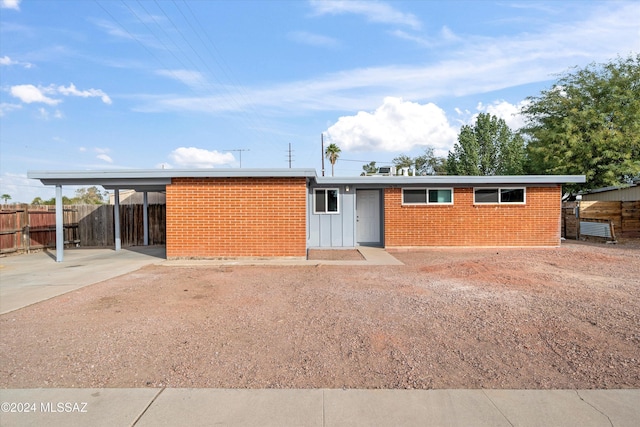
[[450, 318]]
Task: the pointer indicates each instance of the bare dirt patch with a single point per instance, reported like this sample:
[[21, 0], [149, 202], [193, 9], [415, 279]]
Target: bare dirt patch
[[450, 318]]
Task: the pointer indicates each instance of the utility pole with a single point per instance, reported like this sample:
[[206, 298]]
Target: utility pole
[[239, 150], [322, 143], [289, 155]]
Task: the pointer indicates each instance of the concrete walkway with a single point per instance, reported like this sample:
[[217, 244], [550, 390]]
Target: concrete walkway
[[208, 407], [30, 278], [372, 256]]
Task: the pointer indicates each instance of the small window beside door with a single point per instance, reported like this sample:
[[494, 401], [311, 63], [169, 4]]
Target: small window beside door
[[427, 196], [325, 201]]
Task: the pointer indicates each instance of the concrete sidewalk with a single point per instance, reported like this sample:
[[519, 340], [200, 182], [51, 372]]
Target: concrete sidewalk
[[324, 407]]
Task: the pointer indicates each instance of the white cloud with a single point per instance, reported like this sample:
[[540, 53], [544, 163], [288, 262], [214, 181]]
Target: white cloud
[[89, 93], [22, 189], [396, 125], [374, 11], [6, 107], [312, 39], [10, 4], [5, 61], [193, 157], [189, 78], [105, 158], [510, 113], [30, 93]]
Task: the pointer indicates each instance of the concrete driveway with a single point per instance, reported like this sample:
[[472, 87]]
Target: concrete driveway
[[30, 278]]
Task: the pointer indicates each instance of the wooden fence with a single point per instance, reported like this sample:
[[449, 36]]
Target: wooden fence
[[24, 228], [625, 217]]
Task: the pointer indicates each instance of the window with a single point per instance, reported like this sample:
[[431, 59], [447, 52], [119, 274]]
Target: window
[[499, 195], [440, 196], [427, 196], [325, 201], [413, 197]]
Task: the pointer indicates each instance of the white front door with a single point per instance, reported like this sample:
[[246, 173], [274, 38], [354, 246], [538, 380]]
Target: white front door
[[368, 216]]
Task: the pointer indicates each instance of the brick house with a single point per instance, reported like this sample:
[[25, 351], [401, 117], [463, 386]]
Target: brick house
[[284, 212]]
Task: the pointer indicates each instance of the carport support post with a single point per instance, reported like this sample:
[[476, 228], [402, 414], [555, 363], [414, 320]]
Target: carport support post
[[116, 218], [145, 217], [59, 224]]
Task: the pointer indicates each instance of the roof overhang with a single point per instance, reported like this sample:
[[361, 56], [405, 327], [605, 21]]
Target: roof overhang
[[453, 180], [157, 179]]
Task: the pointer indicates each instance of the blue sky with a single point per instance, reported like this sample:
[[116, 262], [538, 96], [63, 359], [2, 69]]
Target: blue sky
[[105, 84]]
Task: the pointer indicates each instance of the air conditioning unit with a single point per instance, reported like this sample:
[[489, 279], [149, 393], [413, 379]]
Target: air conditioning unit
[[387, 170]]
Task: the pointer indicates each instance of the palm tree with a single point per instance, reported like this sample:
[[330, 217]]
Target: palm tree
[[332, 152]]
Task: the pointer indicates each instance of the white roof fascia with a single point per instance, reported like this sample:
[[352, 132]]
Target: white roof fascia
[[441, 180], [169, 173]]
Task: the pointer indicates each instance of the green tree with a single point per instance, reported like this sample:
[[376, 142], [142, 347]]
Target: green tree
[[403, 161], [89, 196], [488, 147], [52, 201], [6, 198], [369, 169], [429, 164], [425, 164], [332, 152], [588, 123]]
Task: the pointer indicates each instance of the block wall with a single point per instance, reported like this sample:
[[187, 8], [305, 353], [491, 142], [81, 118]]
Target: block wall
[[536, 223], [236, 217]]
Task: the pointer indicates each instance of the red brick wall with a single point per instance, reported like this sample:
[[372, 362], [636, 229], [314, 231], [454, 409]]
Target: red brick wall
[[233, 217], [537, 223]]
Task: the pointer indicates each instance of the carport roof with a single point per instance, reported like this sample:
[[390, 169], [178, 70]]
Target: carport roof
[[155, 179]]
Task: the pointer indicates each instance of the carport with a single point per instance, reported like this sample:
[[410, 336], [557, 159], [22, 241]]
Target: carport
[[143, 181]]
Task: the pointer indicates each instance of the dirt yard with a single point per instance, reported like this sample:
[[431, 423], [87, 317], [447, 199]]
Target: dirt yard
[[453, 318]]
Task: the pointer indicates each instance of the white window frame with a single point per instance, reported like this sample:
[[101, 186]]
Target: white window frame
[[326, 201], [426, 191], [499, 190]]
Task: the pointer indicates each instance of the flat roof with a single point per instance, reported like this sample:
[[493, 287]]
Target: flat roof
[[454, 180], [157, 179]]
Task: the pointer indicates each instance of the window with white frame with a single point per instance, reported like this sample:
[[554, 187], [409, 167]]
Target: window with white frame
[[427, 196], [325, 201], [499, 195]]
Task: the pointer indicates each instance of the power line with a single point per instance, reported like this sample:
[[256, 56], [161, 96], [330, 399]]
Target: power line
[[239, 150]]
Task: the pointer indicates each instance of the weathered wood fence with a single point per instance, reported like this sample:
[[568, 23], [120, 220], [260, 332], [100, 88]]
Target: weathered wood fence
[[24, 228], [625, 217]]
